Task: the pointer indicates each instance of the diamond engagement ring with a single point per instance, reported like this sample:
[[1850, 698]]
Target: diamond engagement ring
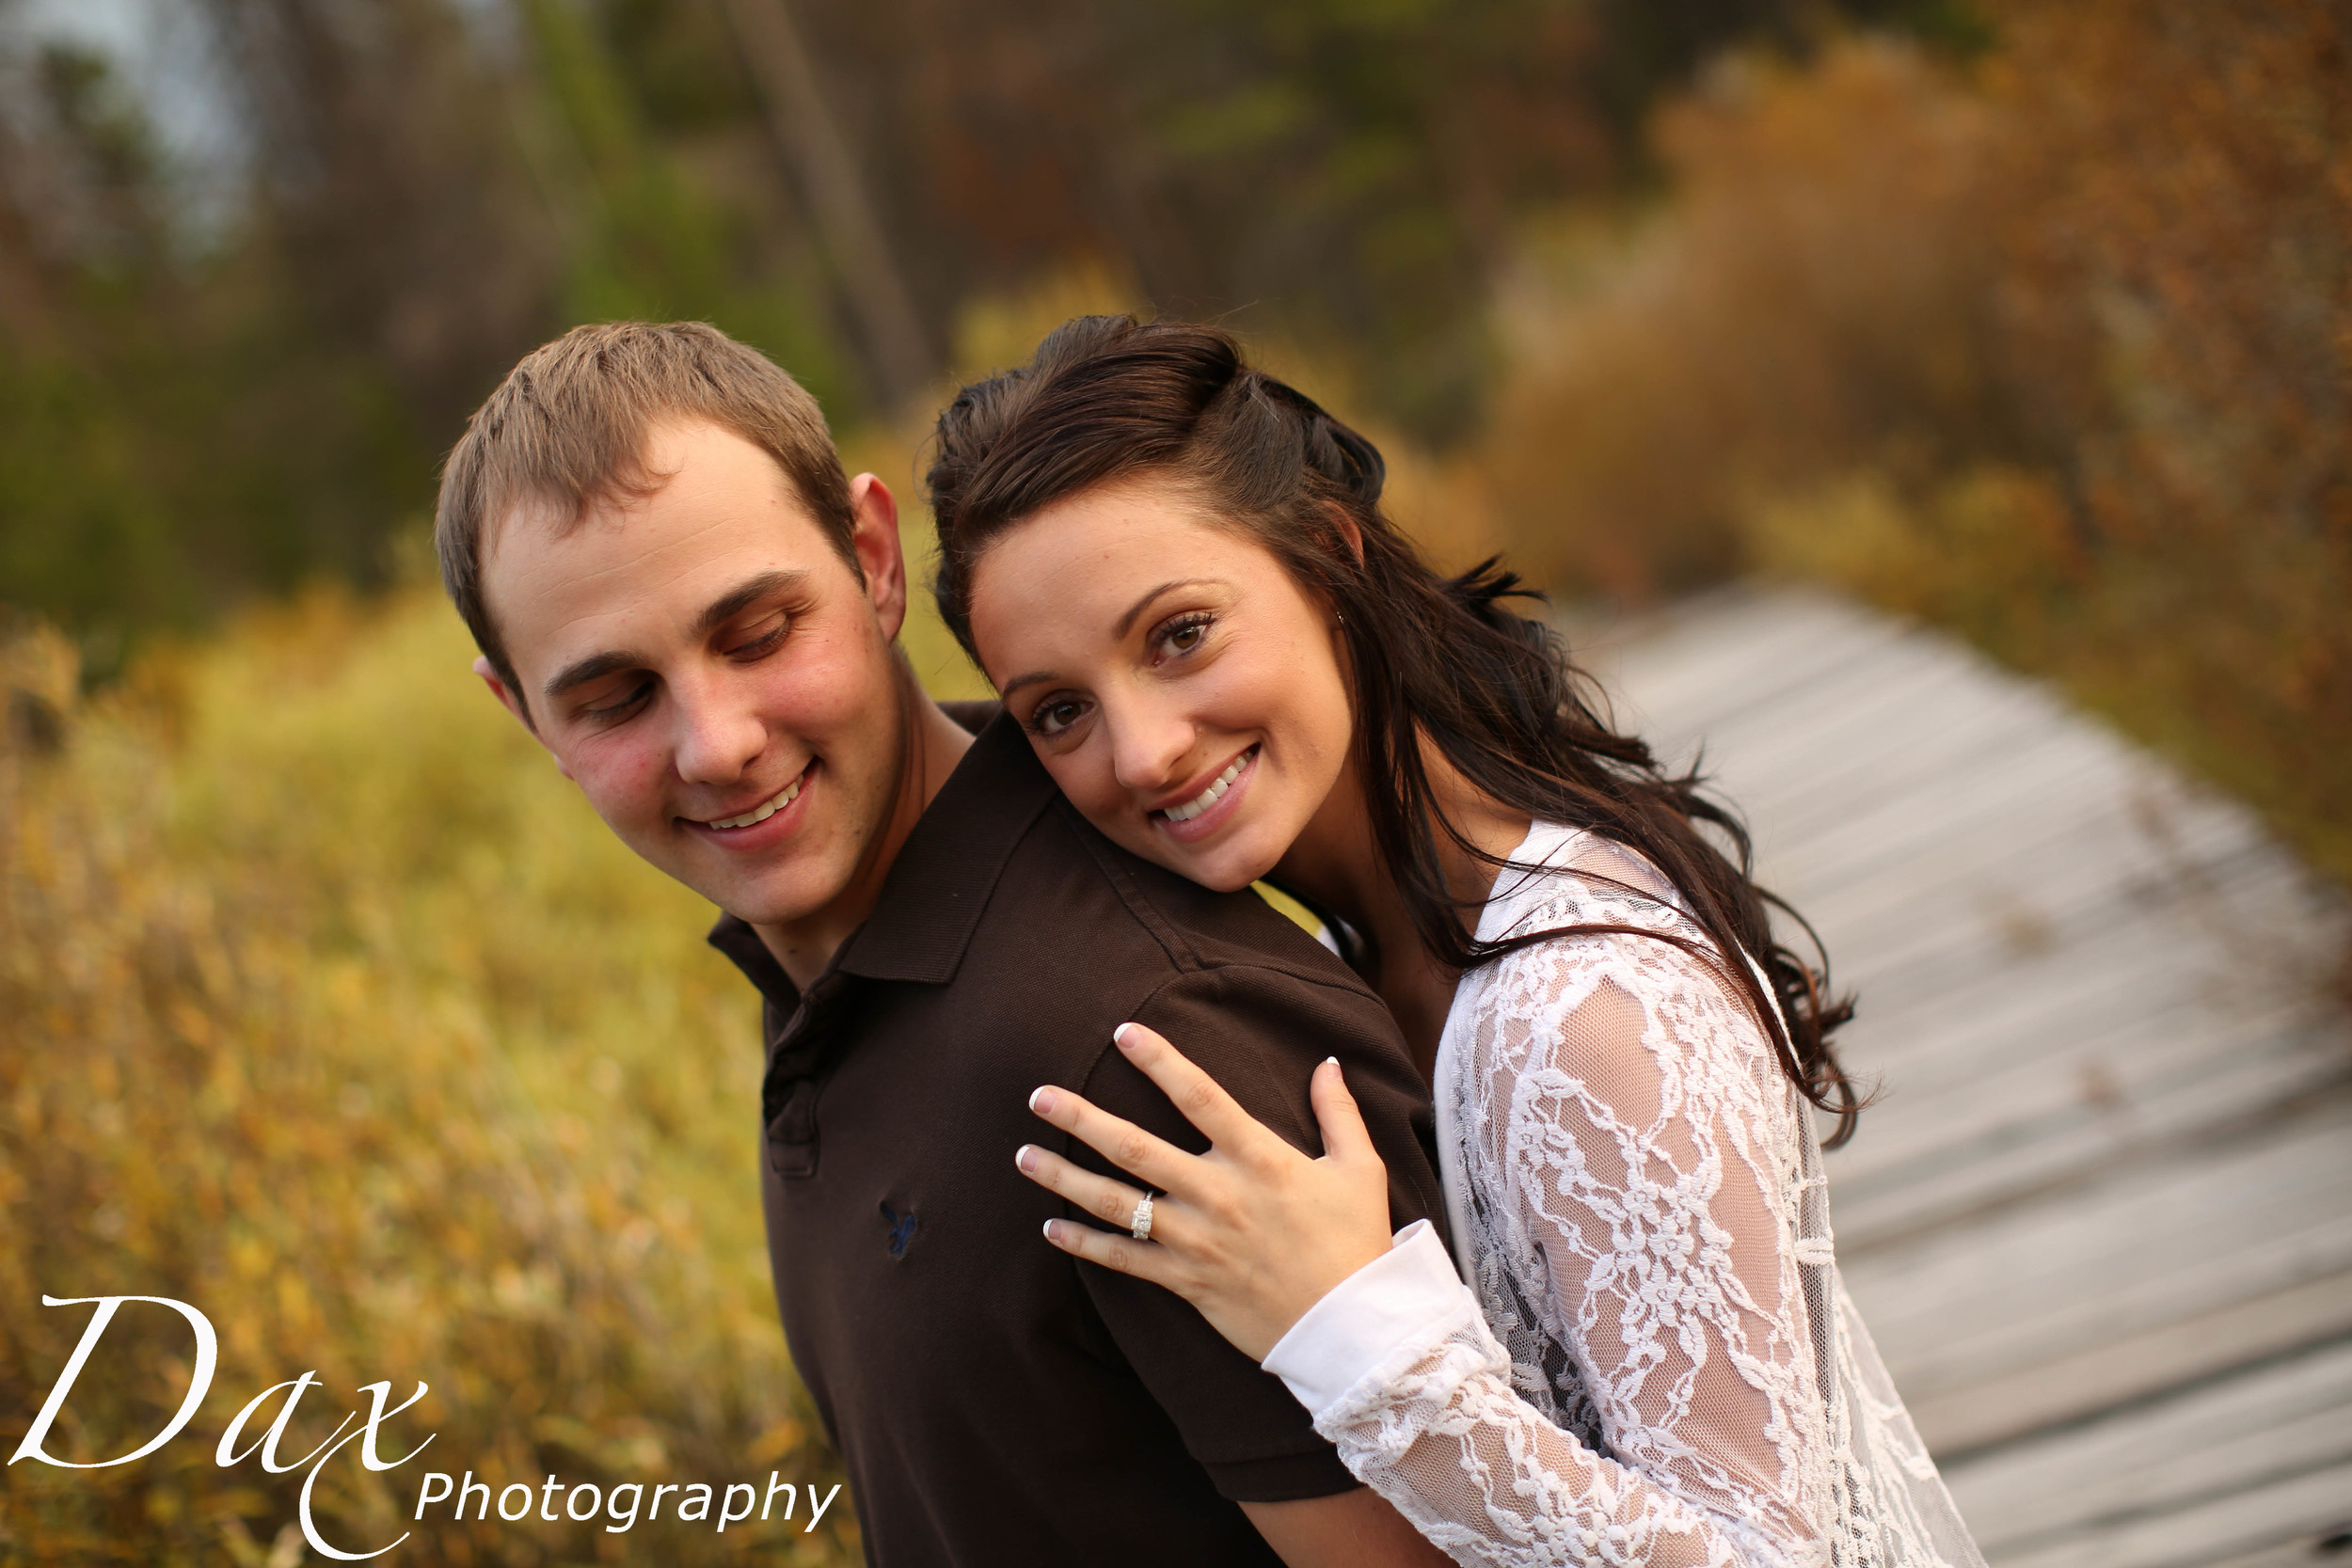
[[1140, 1225]]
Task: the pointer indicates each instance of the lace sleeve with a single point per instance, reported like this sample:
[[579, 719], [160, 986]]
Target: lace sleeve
[[1635, 1148]]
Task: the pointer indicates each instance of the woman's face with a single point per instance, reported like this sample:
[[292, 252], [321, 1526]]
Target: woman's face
[[1178, 685]]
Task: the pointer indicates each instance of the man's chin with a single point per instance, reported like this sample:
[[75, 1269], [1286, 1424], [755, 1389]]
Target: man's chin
[[773, 895], [789, 898]]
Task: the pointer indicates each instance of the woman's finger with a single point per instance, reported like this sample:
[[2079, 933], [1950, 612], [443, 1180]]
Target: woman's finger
[[1143, 1259], [1344, 1136], [1113, 1202], [1201, 1097], [1149, 1160]]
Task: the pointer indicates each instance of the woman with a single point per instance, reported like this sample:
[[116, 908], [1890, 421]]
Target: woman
[[1176, 571]]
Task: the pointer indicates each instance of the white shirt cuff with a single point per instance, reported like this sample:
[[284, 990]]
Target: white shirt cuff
[[1407, 1294]]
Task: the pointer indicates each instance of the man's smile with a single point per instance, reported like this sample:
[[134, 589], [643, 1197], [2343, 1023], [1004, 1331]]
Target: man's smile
[[761, 812]]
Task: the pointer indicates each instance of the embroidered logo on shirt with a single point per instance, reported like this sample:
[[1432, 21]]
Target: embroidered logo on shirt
[[901, 1229]]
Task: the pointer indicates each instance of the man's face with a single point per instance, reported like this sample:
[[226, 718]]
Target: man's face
[[711, 673]]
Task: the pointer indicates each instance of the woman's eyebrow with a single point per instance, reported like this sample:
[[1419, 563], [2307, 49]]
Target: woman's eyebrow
[[1119, 627], [1032, 678]]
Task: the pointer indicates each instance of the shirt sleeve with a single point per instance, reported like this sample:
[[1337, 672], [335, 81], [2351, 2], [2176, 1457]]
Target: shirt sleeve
[[1260, 1033], [1408, 1295]]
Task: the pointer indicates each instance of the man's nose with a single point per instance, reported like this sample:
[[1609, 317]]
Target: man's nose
[[716, 740], [1149, 745]]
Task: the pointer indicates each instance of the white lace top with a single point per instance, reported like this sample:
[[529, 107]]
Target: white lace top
[[1655, 1362]]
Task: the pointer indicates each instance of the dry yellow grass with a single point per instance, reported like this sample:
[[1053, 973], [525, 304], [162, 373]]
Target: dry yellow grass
[[333, 1011]]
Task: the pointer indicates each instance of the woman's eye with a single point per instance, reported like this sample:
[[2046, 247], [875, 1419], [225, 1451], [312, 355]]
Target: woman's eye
[[1182, 637], [1056, 715]]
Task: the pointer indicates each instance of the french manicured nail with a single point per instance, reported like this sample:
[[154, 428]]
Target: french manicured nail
[[1330, 1061], [1052, 1234], [1043, 1102], [1119, 1037], [1025, 1157]]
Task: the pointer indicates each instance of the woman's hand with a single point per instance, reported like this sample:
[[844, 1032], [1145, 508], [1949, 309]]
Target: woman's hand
[[1253, 1232]]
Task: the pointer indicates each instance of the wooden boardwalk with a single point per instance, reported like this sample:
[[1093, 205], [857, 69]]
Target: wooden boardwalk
[[2101, 1221]]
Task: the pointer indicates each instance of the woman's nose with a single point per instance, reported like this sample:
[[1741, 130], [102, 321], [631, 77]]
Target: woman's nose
[[1149, 749]]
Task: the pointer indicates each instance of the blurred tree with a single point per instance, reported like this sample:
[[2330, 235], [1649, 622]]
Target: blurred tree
[[1348, 175], [86, 292], [189, 418], [434, 185]]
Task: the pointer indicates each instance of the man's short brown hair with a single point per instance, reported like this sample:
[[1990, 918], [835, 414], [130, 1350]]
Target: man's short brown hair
[[567, 428]]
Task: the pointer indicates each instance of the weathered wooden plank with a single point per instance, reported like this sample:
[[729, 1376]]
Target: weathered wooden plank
[[2147, 1245], [2235, 929], [1833, 726], [1993, 1172], [1956, 822], [1870, 734], [2294, 1508], [2013, 1161], [2161, 1455], [2313, 1545], [2090, 1189], [2053, 1279], [2134, 1367], [2026, 878], [1998, 833], [1825, 733], [1726, 653], [2109, 987], [2006, 1005]]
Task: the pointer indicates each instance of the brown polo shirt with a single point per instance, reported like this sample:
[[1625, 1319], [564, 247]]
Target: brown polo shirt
[[995, 1400]]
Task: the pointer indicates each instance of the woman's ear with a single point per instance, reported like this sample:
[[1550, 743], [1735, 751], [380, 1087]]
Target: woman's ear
[[1345, 525]]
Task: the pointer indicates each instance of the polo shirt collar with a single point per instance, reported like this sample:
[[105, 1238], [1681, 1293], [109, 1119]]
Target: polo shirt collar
[[931, 900]]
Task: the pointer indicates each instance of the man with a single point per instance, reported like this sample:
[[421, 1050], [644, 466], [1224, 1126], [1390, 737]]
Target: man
[[676, 590]]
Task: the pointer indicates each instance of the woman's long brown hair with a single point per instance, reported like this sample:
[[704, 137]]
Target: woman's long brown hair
[[1432, 657]]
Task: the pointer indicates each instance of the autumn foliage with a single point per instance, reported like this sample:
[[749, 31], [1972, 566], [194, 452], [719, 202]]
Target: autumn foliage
[[2053, 347]]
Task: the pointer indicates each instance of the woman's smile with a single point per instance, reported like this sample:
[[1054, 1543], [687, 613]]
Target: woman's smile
[[1192, 819]]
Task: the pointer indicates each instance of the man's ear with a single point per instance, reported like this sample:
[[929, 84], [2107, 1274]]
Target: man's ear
[[874, 540], [513, 704]]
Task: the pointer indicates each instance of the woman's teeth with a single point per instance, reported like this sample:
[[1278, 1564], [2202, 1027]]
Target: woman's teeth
[[1215, 792], [765, 810]]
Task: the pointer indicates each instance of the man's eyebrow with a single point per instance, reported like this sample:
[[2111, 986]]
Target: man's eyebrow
[[734, 602], [743, 596], [580, 671], [1119, 628]]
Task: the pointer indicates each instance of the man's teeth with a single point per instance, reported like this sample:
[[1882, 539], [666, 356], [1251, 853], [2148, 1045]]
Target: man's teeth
[[1215, 792], [760, 812]]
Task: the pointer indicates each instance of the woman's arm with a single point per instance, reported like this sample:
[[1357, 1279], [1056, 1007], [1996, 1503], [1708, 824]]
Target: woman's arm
[[1683, 1320]]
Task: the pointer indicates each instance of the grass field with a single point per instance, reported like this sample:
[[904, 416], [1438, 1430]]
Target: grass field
[[333, 1011]]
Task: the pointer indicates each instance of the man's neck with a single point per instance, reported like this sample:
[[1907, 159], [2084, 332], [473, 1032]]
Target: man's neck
[[931, 747]]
